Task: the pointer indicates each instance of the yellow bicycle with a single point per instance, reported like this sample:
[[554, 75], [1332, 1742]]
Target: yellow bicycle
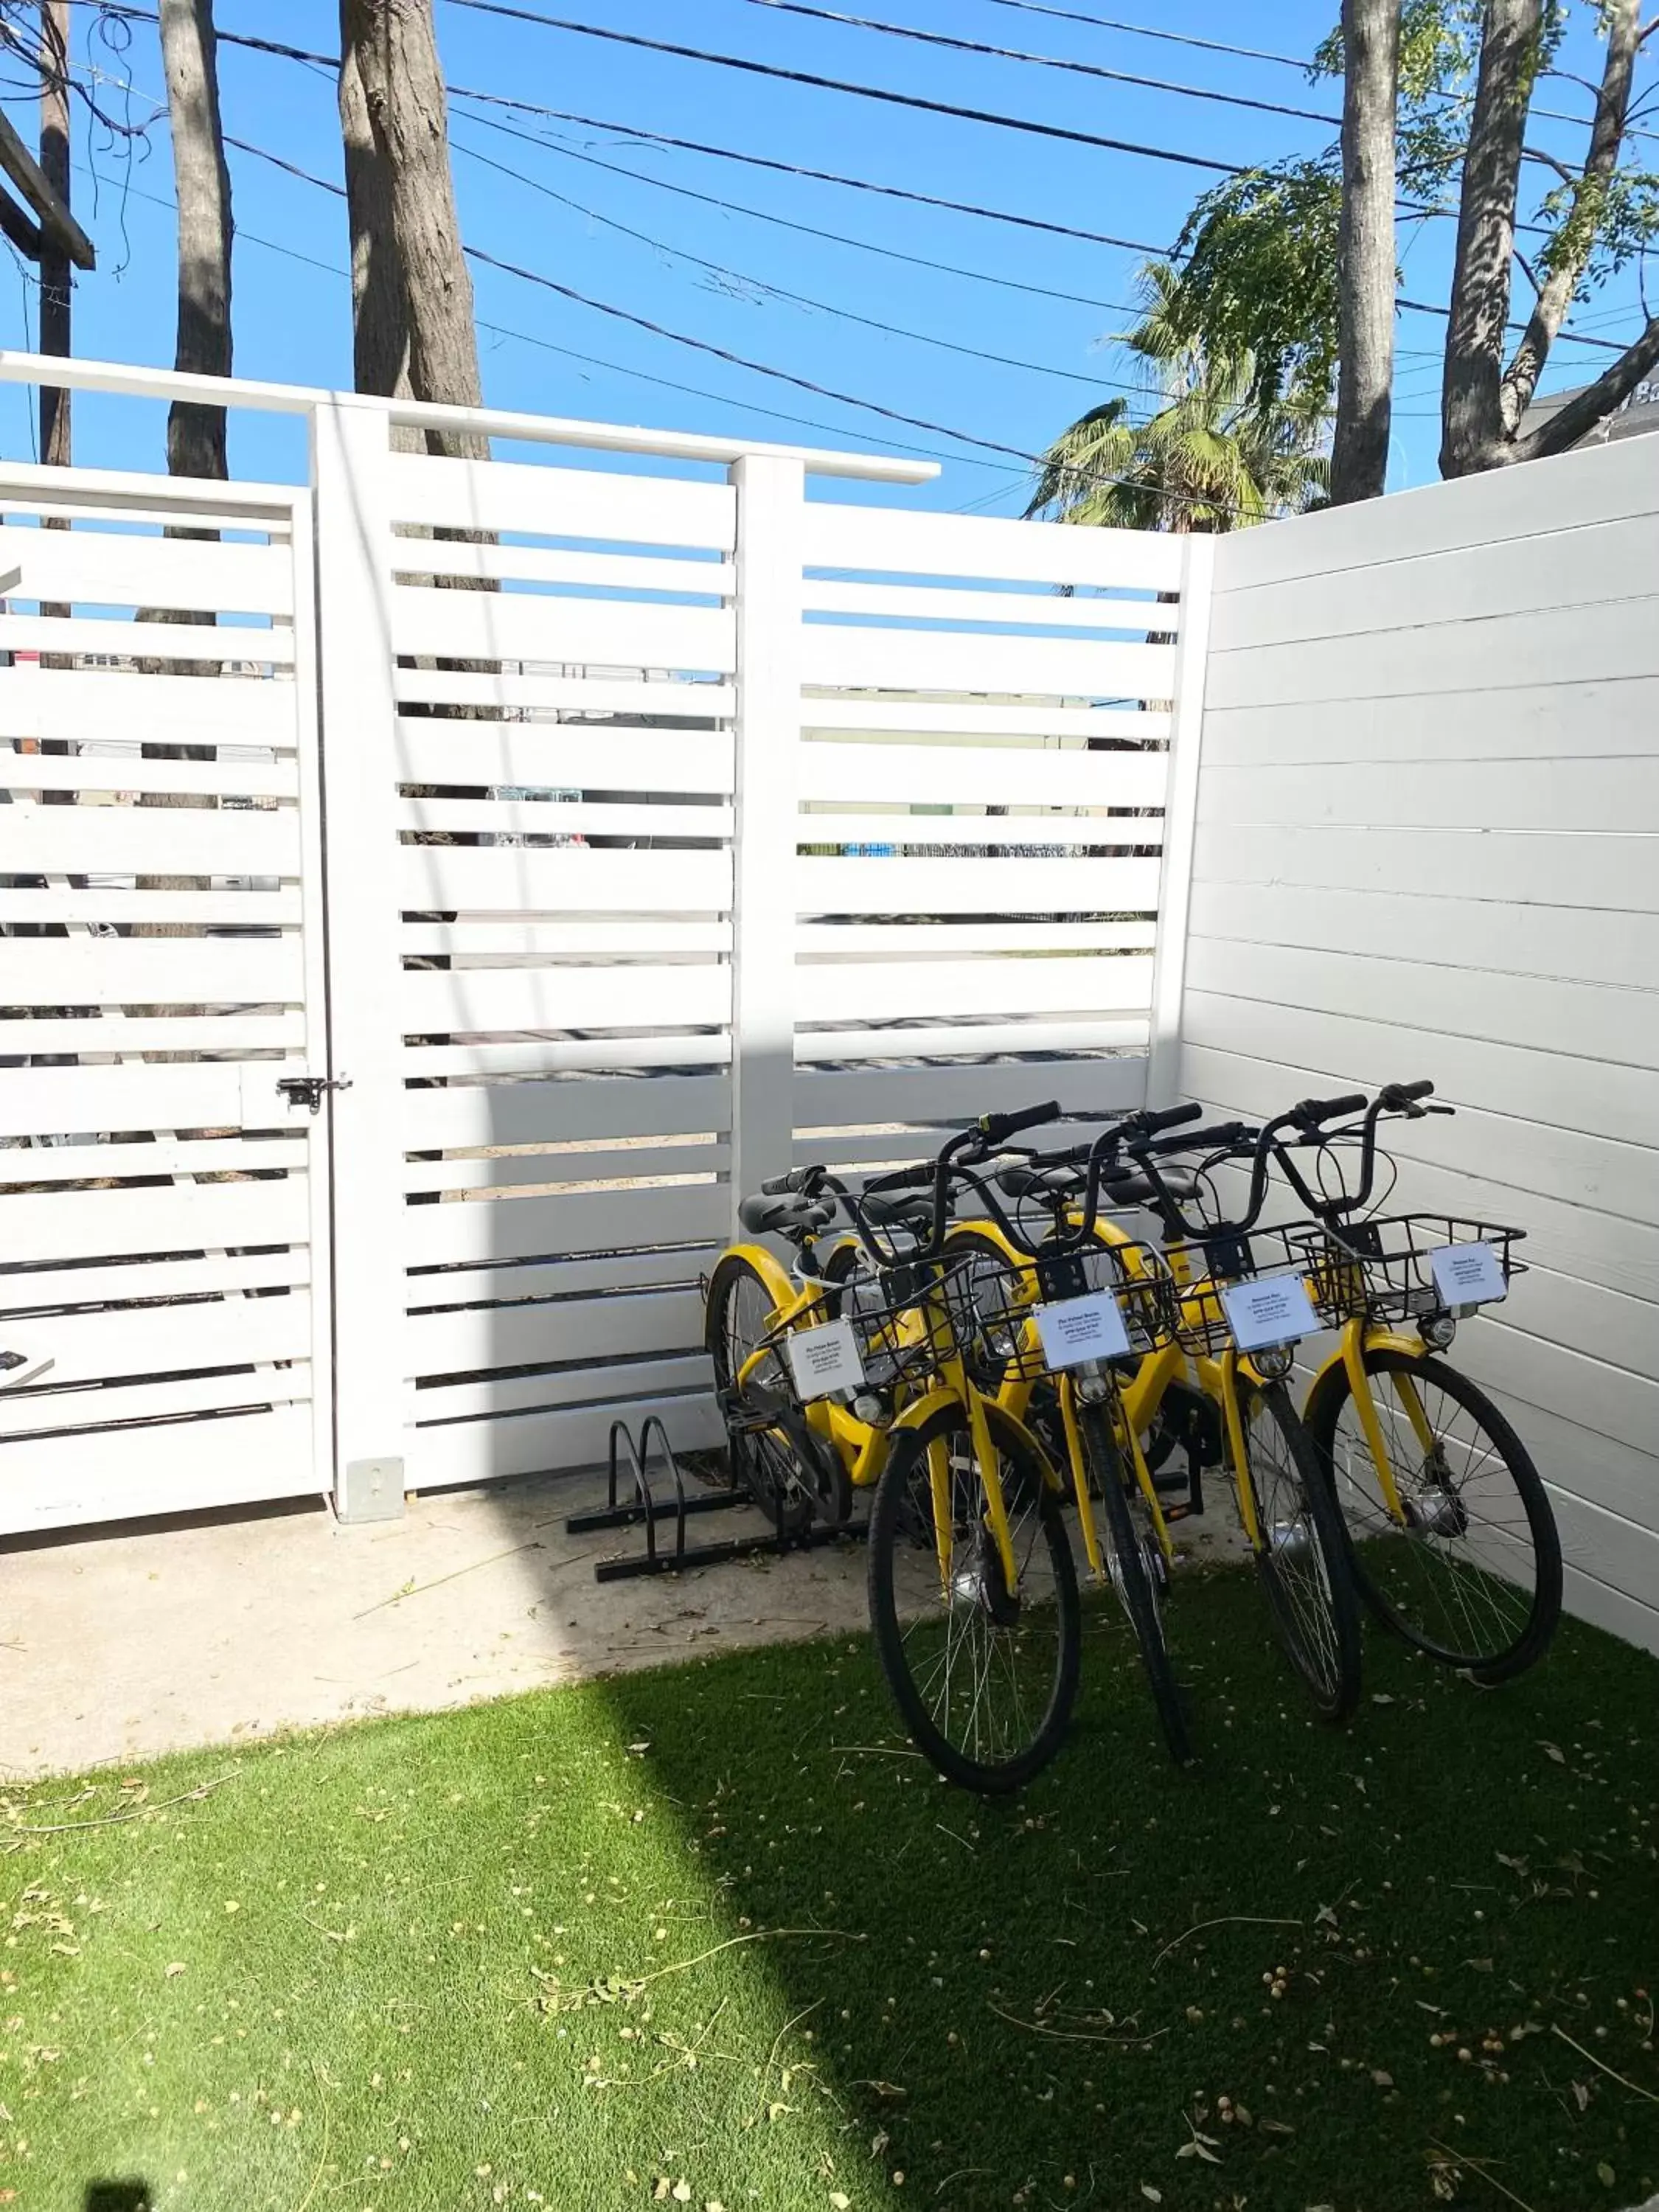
[[849, 1370], [1215, 1385]]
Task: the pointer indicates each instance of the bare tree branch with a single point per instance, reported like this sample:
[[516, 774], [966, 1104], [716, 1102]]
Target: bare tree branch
[[1581, 414]]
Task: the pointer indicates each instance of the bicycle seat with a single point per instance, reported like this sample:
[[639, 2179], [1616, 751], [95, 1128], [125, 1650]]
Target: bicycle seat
[[788, 1214], [1136, 1190], [1042, 1182], [908, 1209]]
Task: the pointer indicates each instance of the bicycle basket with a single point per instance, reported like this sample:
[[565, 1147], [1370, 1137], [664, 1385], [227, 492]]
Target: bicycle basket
[[1008, 1341], [907, 1319], [1205, 1266], [1384, 1271]]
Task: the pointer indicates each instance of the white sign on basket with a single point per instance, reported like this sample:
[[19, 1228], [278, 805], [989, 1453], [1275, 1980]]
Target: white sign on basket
[[825, 1359], [1073, 1330], [1467, 1275], [1268, 1310]]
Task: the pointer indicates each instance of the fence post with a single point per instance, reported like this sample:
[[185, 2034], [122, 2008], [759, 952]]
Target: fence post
[[357, 713], [1163, 1085], [771, 501]]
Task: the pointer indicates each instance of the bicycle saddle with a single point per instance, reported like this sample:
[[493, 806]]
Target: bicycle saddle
[[787, 1214], [910, 1209], [1135, 1189]]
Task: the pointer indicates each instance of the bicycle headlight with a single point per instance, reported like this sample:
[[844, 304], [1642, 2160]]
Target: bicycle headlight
[[1274, 1361], [1436, 1330], [872, 1410]]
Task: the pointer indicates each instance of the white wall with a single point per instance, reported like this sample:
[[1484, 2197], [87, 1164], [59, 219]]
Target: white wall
[[1428, 844]]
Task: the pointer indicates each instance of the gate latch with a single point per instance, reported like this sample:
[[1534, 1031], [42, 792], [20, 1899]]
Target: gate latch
[[308, 1089]]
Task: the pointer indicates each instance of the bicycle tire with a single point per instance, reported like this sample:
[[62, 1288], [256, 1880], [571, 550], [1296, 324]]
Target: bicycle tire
[[1131, 1580], [1383, 1579], [785, 1469], [902, 1536], [1314, 1610]]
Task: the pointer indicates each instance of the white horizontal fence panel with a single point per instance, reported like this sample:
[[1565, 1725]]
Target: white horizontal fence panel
[[476, 625], [880, 884], [532, 694], [95, 705], [500, 561], [142, 841], [565, 757], [121, 766], [1431, 765], [980, 660], [471, 1000], [869, 991], [520, 881], [556, 503], [98, 568], [157, 971], [173, 1467], [901, 719], [171, 641], [1527, 721], [892, 541], [1011, 775]]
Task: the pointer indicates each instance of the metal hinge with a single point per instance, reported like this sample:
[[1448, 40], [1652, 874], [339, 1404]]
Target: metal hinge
[[308, 1089]]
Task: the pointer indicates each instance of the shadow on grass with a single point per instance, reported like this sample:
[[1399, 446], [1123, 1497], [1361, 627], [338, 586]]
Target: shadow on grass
[[117, 2196], [1325, 1969]]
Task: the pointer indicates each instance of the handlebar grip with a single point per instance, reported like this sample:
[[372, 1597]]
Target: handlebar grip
[[1309, 1111], [919, 1177], [1394, 1095], [787, 1185], [1203, 1141], [997, 1128], [1169, 1117]]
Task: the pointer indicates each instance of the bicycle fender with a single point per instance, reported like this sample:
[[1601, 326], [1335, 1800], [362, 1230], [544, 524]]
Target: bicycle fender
[[1017, 1258], [779, 1287], [904, 1431], [1331, 1375]]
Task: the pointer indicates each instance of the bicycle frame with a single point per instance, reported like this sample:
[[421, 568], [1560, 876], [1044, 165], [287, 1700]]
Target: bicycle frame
[[865, 1449], [1358, 1338], [1139, 1397]]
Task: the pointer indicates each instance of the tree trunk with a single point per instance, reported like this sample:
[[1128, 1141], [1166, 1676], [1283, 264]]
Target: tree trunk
[[1366, 272], [389, 55], [1589, 199], [1472, 419], [196, 434]]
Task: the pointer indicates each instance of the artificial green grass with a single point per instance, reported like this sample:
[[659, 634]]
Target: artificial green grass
[[708, 1936]]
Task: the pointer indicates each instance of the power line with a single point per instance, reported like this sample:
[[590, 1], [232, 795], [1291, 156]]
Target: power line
[[785, 168], [1029, 125], [1142, 31], [807, 229], [1045, 61], [1017, 453], [800, 299]]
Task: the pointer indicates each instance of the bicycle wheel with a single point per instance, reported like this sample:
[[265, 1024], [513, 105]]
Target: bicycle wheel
[[789, 1471], [1136, 1577], [1303, 1559], [985, 1678], [1474, 1576]]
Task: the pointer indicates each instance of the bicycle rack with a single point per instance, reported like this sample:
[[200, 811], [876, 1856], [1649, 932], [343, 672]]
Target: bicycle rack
[[654, 1512]]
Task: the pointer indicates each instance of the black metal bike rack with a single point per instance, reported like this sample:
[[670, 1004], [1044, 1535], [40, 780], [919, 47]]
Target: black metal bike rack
[[654, 1512]]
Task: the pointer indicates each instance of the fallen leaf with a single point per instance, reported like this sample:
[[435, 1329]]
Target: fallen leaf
[[1276, 2128], [174, 1970], [1554, 1751], [681, 2192], [1605, 2175], [1152, 2195], [662, 2188], [1382, 2079], [839, 2200]]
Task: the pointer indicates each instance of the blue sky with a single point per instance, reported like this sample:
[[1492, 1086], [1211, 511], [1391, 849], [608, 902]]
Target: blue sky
[[292, 320]]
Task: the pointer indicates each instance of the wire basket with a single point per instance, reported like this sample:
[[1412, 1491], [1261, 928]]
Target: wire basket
[[1005, 1342], [1382, 1270], [1205, 1266], [907, 1319]]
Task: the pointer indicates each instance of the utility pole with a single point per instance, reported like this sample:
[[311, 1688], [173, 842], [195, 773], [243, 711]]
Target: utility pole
[[54, 257]]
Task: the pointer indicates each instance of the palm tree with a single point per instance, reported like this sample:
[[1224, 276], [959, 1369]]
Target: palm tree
[[1209, 459]]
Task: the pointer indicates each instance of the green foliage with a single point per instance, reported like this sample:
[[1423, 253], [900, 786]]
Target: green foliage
[[1259, 273], [1217, 453]]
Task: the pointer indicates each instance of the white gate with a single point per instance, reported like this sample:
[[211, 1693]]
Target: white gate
[[162, 1213], [670, 823]]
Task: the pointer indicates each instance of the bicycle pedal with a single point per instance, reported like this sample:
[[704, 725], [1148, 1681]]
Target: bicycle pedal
[[1182, 1512]]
